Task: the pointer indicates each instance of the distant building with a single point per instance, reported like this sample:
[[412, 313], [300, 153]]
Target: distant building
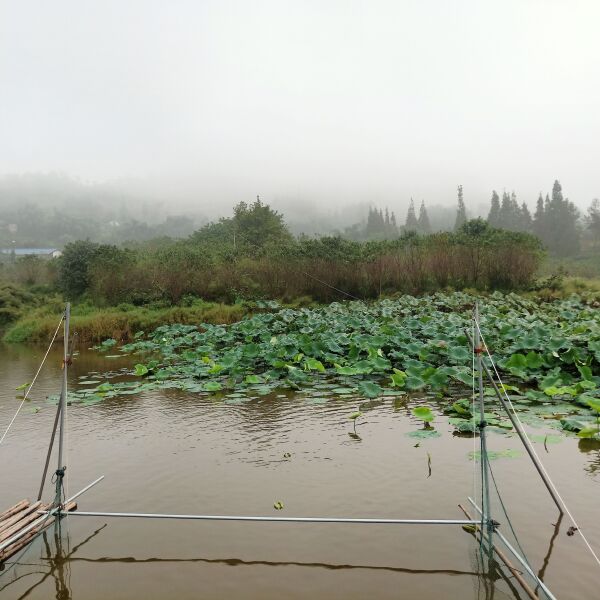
[[39, 252]]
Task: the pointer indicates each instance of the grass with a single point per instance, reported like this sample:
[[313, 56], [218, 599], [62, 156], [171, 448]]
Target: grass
[[119, 323], [558, 287], [586, 265]]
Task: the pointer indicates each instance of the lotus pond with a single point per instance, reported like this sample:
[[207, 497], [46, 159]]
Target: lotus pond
[[548, 352], [349, 410]]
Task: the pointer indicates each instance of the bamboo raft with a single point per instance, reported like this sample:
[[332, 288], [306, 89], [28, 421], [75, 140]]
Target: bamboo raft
[[19, 516]]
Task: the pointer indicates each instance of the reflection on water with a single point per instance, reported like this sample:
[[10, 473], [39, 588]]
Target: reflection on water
[[592, 449], [175, 452]]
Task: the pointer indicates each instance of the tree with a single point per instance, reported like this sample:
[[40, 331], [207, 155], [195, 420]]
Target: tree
[[592, 220], [73, 275], [561, 233], [411, 218], [538, 217], [494, 214], [526, 220], [423, 222], [257, 225], [461, 211], [252, 228], [76, 263], [391, 231]]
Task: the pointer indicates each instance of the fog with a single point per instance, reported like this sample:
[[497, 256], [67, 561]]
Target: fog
[[312, 104]]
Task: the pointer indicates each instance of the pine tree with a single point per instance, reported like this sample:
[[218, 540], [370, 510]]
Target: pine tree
[[515, 214], [411, 223], [592, 221], [494, 214], [461, 211], [560, 232], [504, 214], [371, 228], [423, 221], [526, 220], [391, 231], [538, 217]]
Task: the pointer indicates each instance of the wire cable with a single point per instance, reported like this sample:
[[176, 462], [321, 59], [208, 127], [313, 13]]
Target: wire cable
[[473, 411], [34, 380]]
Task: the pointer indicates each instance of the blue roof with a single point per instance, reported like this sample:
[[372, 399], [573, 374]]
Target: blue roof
[[26, 251]]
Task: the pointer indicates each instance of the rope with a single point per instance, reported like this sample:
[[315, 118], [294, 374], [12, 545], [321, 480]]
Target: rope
[[34, 380], [531, 447], [331, 286]]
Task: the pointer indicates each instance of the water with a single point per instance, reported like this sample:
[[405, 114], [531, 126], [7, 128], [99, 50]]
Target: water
[[179, 453]]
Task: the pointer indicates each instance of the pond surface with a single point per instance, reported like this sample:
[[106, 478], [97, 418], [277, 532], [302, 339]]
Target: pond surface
[[173, 452]]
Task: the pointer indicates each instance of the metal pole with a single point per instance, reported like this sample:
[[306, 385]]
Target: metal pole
[[276, 519], [485, 499], [60, 470], [523, 437], [518, 557], [58, 411]]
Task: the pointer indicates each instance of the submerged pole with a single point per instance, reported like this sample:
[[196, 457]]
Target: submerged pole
[[485, 492], [514, 572], [61, 467]]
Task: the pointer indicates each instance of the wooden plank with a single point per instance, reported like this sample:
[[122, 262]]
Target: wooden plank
[[19, 544], [30, 535], [7, 523], [4, 535], [9, 512]]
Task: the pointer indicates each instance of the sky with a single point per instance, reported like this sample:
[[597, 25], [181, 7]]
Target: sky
[[319, 102]]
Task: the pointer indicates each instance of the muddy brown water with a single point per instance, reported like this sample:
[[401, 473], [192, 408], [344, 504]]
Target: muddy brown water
[[172, 452]]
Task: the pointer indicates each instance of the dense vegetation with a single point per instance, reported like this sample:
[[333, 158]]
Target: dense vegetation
[[549, 352], [252, 255]]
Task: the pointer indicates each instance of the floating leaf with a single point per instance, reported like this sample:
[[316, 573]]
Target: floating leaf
[[140, 370], [369, 389], [424, 433], [494, 454], [212, 386]]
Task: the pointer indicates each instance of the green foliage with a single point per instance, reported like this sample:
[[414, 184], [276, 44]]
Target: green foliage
[[14, 301], [252, 229], [423, 413], [252, 256], [83, 263]]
